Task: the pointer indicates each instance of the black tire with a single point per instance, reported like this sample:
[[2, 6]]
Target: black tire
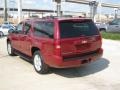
[[10, 52], [103, 30], [41, 68]]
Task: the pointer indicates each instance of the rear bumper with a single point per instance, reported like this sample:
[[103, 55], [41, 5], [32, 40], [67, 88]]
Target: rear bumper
[[59, 62]]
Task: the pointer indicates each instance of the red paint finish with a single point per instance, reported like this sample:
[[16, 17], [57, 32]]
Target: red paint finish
[[57, 51]]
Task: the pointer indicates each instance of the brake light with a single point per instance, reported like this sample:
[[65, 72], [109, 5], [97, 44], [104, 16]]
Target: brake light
[[99, 38], [57, 49]]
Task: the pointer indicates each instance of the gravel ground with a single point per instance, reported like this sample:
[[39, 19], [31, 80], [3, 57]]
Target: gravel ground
[[18, 74]]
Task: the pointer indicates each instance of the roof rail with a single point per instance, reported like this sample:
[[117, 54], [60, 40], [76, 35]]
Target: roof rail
[[53, 17], [49, 17]]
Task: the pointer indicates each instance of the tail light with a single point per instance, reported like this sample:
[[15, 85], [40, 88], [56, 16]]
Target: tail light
[[99, 38], [57, 49]]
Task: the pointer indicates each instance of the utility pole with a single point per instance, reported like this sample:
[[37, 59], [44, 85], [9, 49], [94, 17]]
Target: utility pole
[[58, 7], [116, 13], [5, 10], [100, 6], [19, 10], [93, 9]]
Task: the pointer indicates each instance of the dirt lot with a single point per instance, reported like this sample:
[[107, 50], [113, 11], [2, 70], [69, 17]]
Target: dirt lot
[[104, 74]]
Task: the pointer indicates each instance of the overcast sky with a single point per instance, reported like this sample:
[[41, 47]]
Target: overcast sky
[[48, 4]]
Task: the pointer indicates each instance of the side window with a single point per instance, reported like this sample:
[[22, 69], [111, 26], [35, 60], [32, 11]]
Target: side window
[[49, 28], [38, 29], [115, 22], [19, 28], [118, 21], [27, 27], [44, 29]]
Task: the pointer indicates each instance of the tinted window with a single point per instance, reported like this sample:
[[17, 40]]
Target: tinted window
[[70, 29], [27, 27], [44, 29], [19, 28]]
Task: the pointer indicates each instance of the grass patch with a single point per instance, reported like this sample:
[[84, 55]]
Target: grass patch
[[108, 35]]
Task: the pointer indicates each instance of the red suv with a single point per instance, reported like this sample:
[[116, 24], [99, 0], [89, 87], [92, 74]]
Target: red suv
[[58, 42]]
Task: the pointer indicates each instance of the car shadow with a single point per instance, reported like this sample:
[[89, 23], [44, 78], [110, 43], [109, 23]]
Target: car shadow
[[27, 60], [82, 71]]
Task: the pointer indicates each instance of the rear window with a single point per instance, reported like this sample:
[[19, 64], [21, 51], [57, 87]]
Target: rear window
[[70, 29]]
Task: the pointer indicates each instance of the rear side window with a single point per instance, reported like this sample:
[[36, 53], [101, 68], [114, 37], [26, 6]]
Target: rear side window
[[69, 29], [44, 29]]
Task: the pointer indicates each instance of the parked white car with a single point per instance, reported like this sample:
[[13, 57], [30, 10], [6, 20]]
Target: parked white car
[[8, 23], [114, 26], [101, 26], [5, 28]]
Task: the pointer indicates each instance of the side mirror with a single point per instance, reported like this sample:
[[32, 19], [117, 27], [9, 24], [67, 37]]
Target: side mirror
[[11, 31]]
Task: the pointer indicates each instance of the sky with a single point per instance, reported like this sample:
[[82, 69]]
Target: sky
[[49, 5]]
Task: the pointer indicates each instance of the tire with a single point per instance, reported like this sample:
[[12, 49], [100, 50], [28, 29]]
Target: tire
[[39, 64], [1, 34], [10, 50], [103, 30]]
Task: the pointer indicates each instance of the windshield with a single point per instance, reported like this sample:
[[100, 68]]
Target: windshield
[[70, 29]]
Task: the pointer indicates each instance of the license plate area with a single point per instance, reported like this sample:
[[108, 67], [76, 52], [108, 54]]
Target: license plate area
[[82, 46]]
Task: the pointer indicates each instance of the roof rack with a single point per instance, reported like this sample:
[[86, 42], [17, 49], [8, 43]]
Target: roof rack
[[49, 17], [53, 17]]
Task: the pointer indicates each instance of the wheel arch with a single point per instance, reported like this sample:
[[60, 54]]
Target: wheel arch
[[33, 49], [102, 29]]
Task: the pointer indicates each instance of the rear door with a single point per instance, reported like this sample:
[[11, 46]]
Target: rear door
[[44, 37], [78, 36]]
